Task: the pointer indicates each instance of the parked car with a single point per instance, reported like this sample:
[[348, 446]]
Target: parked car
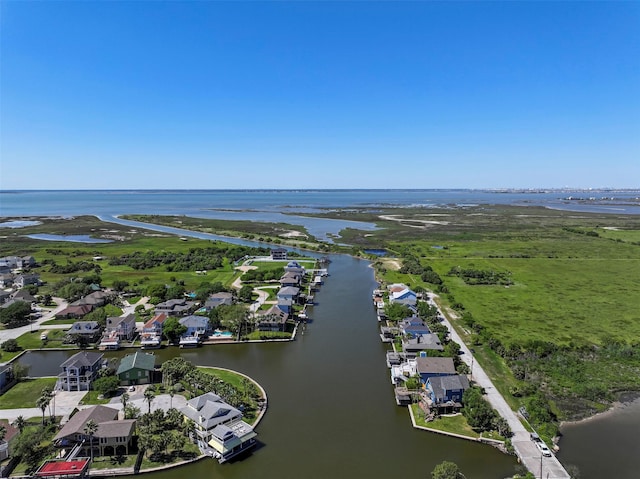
[[543, 448], [131, 388]]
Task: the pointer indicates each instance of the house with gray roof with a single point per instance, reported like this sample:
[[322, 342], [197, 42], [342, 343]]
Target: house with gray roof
[[218, 299], [447, 390], [122, 326], [288, 293], [6, 280], [198, 328], [433, 367], [273, 319], [79, 371], [25, 296], [175, 307], [4, 296], [88, 329], [26, 279], [290, 279], [136, 368], [113, 437], [413, 345], [209, 412]]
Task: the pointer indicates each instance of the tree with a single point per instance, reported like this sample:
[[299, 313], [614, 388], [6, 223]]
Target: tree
[[172, 392], [42, 404], [20, 423], [245, 294], [10, 346], [149, 395], [131, 412], [3, 432], [120, 285], [15, 315], [446, 470], [124, 399], [172, 329], [106, 385], [90, 429]]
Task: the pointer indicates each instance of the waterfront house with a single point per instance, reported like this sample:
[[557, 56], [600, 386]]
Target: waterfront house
[[151, 337], [79, 371], [209, 412], [124, 327], [288, 293], [175, 307], [413, 327], [198, 328], [218, 299], [113, 437], [434, 367], [285, 305], [290, 279], [273, 319], [412, 346], [136, 368], [279, 254], [196, 325], [447, 390], [88, 329], [405, 297], [295, 268]]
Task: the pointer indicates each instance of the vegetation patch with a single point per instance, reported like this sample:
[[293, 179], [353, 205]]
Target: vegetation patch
[[25, 393]]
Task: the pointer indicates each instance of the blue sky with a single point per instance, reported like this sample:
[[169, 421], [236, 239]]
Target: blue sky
[[319, 94]]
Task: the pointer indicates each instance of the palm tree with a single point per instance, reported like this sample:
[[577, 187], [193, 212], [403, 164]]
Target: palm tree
[[20, 423], [149, 395], [172, 392], [42, 404], [90, 428], [3, 432], [124, 399]]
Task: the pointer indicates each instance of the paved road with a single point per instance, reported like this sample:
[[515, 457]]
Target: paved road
[[35, 325], [67, 401], [542, 467]]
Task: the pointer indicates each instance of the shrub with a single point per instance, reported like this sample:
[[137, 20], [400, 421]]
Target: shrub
[[10, 346]]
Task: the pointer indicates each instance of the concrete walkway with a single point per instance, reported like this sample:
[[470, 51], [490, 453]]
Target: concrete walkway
[[541, 467]]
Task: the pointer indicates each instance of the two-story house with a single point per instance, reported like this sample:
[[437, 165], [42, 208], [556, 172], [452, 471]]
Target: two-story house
[[198, 328], [79, 371], [151, 337], [219, 428], [136, 368]]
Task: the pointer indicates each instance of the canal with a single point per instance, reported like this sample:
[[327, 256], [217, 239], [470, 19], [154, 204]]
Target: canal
[[331, 408]]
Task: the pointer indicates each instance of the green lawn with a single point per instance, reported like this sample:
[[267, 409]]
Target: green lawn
[[454, 424], [25, 393], [92, 398]]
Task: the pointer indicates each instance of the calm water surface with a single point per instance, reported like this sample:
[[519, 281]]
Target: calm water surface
[[605, 446], [331, 408]]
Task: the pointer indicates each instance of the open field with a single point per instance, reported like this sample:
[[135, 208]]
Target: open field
[[25, 393], [567, 325], [126, 241]]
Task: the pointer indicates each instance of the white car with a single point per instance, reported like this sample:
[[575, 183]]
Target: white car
[[131, 389], [543, 448]]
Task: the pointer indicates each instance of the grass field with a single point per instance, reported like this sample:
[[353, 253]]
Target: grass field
[[25, 393]]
